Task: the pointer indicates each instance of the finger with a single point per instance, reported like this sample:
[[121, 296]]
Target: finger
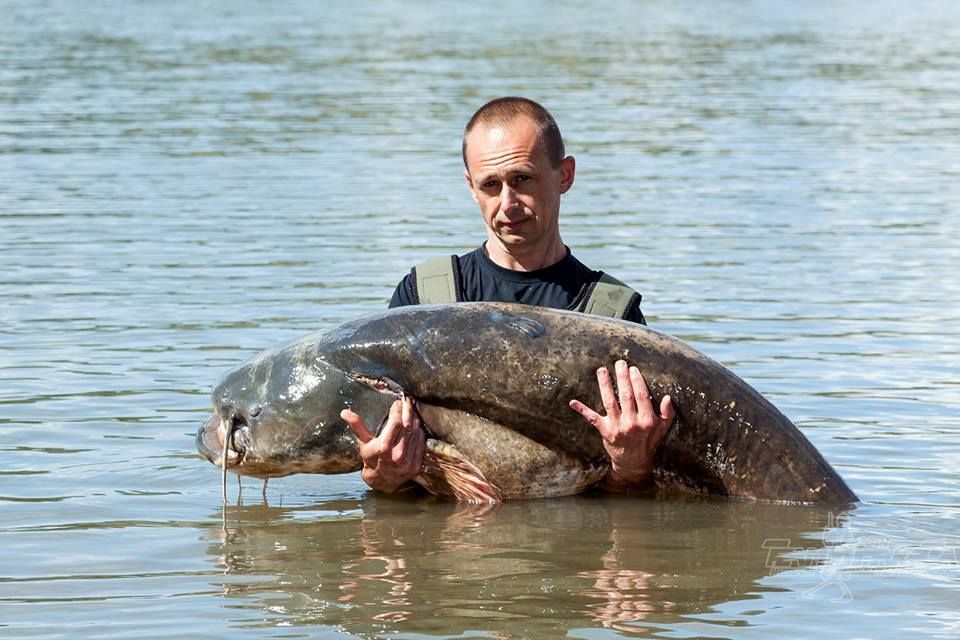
[[391, 430], [606, 394], [414, 457], [592, 416], [420, 449], [417, 421], [628, 405], [398, 452], [668, 413], [642, 393], [357, 425], [408, 413], [597, 421]]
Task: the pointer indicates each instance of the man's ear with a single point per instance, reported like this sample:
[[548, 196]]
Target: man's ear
[[473, 192], [568, 168]]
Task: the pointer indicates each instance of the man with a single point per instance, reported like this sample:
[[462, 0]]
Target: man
[[516, 170]]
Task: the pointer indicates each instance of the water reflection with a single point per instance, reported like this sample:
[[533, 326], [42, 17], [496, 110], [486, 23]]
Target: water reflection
[[378, 565]]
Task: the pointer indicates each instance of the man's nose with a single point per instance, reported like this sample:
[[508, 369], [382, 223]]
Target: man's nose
[[508, 199]]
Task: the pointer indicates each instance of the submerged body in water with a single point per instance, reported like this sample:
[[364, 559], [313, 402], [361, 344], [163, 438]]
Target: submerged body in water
[[492, 383]]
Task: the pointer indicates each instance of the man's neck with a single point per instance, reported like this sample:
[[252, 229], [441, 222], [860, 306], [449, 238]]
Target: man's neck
[[532, 259]]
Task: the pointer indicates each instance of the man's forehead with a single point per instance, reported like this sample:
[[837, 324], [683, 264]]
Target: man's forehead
[[499, 131], [503, 143], [496, 133]]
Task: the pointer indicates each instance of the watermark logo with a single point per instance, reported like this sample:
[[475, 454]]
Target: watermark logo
[[843, 553]]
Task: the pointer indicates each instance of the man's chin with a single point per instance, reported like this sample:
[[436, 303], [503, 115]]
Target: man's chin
[[514, 237]]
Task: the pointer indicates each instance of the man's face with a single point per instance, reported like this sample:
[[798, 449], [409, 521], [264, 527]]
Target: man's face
[[511, 178]]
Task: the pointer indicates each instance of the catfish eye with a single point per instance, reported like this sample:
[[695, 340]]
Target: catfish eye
[[256, 411]]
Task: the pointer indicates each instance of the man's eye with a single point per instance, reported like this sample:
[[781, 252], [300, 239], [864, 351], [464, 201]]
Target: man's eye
[[491, 184], [521, 178]]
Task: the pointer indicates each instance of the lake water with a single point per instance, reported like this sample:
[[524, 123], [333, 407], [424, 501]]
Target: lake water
[[184, 184]]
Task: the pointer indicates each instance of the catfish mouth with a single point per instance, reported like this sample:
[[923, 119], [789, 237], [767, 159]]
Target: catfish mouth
[[210, 442], [233, 435]]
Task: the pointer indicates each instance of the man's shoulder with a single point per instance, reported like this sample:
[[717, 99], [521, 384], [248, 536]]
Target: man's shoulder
[[609, 297], [438, 280]]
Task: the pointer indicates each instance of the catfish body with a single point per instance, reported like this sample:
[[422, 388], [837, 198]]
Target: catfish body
[[493, 382]]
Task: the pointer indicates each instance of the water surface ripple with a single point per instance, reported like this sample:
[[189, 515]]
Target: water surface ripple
[[184, 184]]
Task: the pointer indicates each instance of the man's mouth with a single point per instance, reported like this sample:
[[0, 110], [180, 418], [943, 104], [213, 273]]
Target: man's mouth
[[513, 225]]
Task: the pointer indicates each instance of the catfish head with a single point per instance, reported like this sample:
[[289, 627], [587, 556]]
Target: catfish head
[[279, 414]]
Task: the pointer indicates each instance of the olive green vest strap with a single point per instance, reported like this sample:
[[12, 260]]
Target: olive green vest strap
[[609, 298], [436, 280]]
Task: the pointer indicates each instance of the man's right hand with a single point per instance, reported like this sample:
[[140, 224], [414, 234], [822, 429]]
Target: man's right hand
[[393, 458]]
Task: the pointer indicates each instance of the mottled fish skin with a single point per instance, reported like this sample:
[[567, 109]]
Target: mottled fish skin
[[517, 367]]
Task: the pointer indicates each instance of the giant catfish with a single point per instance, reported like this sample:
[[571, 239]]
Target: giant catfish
[[492, 383]]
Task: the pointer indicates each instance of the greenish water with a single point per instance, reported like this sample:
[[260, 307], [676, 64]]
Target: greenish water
[[185, 184]]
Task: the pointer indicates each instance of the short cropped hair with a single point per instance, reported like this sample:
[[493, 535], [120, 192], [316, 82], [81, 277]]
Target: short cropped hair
[[503, 111]]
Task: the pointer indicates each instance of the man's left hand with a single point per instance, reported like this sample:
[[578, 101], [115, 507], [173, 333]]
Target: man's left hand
[[631, 430]]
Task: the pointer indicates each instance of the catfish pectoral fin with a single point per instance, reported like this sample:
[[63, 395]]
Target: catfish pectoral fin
[[446, 472]]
